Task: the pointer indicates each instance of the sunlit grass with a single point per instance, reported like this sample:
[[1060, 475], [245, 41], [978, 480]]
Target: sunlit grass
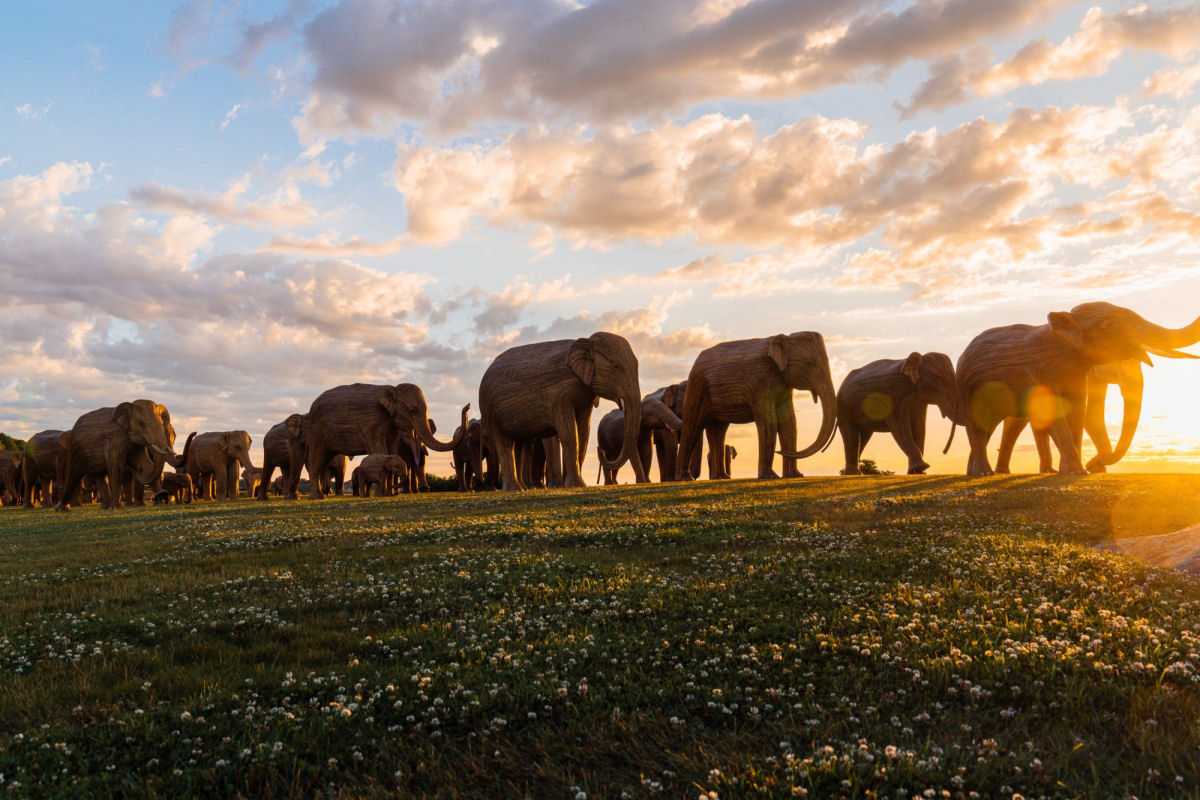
[[832, 636]]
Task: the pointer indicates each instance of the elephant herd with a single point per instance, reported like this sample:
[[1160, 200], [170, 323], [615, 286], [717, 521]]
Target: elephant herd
[[536, 401]]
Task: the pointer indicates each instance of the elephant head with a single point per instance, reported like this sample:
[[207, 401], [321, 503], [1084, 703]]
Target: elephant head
[[658, 416], [605, 363], [236, 445], [297, 425], [148, 424], [405, 404], [933, 376], [802, 361], [1115, 342]]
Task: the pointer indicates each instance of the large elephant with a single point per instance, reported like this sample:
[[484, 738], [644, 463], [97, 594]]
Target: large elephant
[[11, 469], [894, 395], [549, 389], [101, 442], [656, 416], [141, 464], [470, 457], [219, 454], [44, 465], [284, 447], [380, 470], [751, 380], [1038, 373], [363, 418]]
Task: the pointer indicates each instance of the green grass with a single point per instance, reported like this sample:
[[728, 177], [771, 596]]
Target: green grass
[[858, 637]]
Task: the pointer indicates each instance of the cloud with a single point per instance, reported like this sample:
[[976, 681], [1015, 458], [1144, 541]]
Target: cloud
[[458, 64], [282, 209], [1101, 39], [113, 304], [28, 112], [1176, 82]]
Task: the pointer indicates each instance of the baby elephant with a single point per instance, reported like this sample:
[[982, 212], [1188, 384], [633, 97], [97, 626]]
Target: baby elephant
[[656, 416], [893, 395]]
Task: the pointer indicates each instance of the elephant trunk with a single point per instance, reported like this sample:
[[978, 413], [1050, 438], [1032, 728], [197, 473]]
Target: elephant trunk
[[1131, 384], [1166, 341], [828, 399], [152, 467], [427, 438], [179, 461], [632, 406]]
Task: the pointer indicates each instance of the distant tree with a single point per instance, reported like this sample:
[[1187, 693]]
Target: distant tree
[[439, 484], [9, 443], [867, 466]]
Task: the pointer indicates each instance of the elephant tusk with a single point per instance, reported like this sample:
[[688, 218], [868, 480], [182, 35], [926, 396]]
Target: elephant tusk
[[1145, 359], [1169, 353]]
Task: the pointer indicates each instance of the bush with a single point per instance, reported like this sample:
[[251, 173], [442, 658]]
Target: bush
[[9, 443], [867, 466]]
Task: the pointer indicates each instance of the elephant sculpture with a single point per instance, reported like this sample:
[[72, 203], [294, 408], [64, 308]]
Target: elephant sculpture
[[278, 487], [893, 395], [251, 478], [283, 448], [539, 463], [414, 454], [751, 380], [219, 454], [656, 416], [11, 470], [724, 468], [102, 441], [381, 470], [1038, 373], [363, 418], [470, 457], [666, 442], [45, 460], [178, 485], [334, 480], [546, 389]]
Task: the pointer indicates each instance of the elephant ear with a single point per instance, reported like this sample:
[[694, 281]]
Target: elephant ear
[[1065, 327], [912, 366], [777, 351], [161, 410], [668, 397], [294, 423], [581, 360], [390, 400], [432, 427], [122, 415]]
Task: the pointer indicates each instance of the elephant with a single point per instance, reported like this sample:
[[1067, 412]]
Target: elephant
[[380, 470], [219, 453], [894, 395], [1038, 373], [725, 468], [283, 447], [334, 479], [362, 418], [751, 380], [470, 457], [251, 478], [278, 487], [545, 389], [11, 470], [101, 442], [666, 442], [656, 416], [179, 485], [414, 455]]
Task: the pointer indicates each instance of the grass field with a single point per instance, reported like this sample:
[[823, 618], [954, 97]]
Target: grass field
[[858, 637]]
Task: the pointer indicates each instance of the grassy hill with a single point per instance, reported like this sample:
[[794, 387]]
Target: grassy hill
[[837, 637]]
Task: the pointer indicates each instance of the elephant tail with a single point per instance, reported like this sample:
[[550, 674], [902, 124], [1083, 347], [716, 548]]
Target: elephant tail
[[599, 469]]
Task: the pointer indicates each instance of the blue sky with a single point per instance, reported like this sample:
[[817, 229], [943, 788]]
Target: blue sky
[[229, 207]]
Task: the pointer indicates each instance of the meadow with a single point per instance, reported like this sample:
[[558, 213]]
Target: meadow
[[901, 637]]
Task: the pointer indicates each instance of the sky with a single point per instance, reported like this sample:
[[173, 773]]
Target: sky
[[229, 207]]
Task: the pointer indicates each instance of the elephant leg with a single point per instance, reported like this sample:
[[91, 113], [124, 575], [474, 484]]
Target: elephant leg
[[851, 446], [644, 451], [565, 424], [1008, 440], [715, 436], [768, 433], [785, 415], [666, 444], [1069, 460], [900, 426], [978, 435], [1041, 439], [687, 460], [318, 467], [505, 451]]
